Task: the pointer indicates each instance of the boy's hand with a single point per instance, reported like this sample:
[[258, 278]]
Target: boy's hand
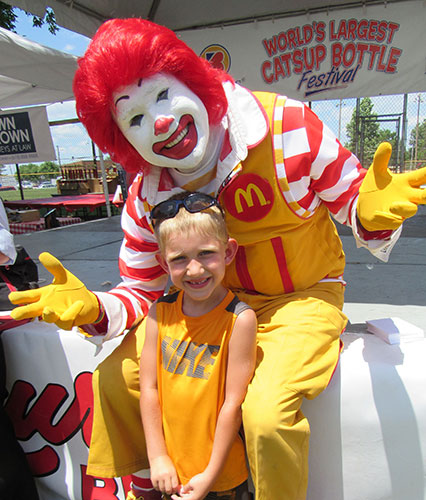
[[386, 199], [65, 302], [196, 489], [163, 475]]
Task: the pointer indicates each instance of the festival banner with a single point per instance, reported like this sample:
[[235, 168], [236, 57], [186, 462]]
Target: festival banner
[[353, 52], [25, 136]]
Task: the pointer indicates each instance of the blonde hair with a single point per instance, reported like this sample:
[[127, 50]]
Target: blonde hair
[[209, 223]]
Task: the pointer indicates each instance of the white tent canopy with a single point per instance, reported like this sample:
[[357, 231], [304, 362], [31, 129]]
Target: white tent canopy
[[350, 48], [33, 74], [85, 16]]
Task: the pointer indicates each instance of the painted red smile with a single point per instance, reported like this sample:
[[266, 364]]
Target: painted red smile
[[181, 143]]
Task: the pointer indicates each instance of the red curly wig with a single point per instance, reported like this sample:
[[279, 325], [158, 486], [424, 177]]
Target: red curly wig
[[123, 51]]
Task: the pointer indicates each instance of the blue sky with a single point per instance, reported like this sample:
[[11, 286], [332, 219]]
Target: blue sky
[[64, 40]]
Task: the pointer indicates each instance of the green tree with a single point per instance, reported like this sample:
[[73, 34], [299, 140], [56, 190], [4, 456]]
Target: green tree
[[418, 141], [28, 172], [366, 134], [38, 173], [49, 170], [386, 135], [8, 19]]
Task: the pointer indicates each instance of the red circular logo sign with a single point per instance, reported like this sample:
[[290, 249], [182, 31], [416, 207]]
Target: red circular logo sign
[[249, 197], [217, 56]]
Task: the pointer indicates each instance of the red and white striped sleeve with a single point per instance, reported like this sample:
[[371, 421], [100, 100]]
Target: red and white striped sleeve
[[143, 279], [318, 168]]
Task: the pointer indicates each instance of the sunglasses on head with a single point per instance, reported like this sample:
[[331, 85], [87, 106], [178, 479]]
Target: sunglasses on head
[[193, 203]]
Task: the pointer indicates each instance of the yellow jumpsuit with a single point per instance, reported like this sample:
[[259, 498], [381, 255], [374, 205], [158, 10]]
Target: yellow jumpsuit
[[287, 269]]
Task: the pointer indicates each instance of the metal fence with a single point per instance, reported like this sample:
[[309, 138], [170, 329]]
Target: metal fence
[[360, 124], [399, 119]]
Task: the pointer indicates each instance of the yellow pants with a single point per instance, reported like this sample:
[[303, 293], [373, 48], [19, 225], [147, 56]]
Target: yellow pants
[[298, 348]]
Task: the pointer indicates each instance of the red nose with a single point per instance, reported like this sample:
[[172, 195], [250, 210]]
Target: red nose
[[162, 125]]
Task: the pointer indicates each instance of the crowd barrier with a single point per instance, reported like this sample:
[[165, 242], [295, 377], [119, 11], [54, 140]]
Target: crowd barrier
[[368, 429]]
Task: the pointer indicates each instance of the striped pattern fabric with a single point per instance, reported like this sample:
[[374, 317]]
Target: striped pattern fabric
[[143, 279], [311, 164]]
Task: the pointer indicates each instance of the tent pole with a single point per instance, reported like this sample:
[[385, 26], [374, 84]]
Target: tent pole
[[19, 181], [104, 182]]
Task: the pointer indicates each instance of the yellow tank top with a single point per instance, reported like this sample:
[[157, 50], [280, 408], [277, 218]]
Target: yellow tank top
[[191, 368], [280, 250]]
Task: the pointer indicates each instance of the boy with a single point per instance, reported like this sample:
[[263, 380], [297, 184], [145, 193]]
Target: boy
[[198, 358]]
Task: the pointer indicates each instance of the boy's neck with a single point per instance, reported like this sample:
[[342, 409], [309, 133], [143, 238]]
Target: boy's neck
[[195, 308]]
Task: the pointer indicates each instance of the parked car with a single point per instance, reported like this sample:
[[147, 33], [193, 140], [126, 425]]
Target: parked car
[[44, 185]]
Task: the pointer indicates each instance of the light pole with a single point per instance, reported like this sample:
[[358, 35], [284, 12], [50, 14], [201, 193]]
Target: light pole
[[340, 105], [419, 100]]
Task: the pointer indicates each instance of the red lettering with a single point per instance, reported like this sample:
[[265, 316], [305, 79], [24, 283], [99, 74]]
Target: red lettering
[[381, 31], [342, 30], [41, 415], [372, 30], [393, 27], [96, 488], [380, 65], [282, 41], [336, 54], [270, 46], [43, 462], [362, 29], [297, 61], [361, 47], [266, 67], [308, 33], [352, 23], [299, 41], [320, 53], [278, 68], [285, 58], [374, 49], [333, 35], [349, 55], [393, 59], [291, 35], [320, 31]]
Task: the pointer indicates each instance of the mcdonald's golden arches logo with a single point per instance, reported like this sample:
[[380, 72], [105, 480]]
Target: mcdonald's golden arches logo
[[249, 197]]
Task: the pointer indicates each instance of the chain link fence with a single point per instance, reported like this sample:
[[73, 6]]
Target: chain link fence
[[362, 124]]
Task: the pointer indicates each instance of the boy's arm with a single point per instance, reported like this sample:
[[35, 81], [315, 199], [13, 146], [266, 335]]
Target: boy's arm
[[163, 472], [240, 368]]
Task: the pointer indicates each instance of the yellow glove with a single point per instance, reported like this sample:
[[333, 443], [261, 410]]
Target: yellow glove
[[386, 199], [65, 302]]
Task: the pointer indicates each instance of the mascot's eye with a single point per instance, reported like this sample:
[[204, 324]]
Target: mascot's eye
[[136, 121], [163, 95]]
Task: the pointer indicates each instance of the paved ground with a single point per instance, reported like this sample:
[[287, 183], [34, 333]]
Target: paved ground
[[374, 289]]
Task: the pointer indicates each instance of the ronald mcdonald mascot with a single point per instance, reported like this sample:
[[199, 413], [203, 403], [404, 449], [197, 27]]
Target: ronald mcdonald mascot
[[166, 115]]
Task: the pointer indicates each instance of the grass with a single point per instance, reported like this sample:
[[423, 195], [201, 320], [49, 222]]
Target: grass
[[29, 194]]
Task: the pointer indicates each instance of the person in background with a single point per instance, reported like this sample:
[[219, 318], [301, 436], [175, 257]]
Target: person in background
[[7, 244]]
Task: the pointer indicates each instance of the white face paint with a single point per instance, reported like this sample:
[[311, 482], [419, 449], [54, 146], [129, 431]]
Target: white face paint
[[164, 121]]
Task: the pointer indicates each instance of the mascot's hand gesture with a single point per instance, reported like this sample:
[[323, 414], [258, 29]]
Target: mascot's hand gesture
[[66, 301], [386, 199]]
